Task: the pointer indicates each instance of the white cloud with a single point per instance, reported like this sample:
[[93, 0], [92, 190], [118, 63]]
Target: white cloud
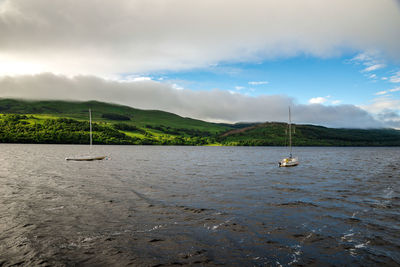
[[386, 109], [368, 58], [239, 88], [322, 100], [215, 105], [381, 104], [134, 36], [176, 86], [140, 79], [374, 67], [9, 66], [381, 93], [317, 100], [395, 89], [387, 91], [372, 60], [395, 78], [131, 78], [258, 83]]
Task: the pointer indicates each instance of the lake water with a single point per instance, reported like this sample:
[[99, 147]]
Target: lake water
[[205, 206]]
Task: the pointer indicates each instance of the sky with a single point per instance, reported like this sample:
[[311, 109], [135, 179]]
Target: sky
[[335, 63]]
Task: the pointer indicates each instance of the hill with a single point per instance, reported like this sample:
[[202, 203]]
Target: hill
[[79, 111], [273, 133], [67, 122]]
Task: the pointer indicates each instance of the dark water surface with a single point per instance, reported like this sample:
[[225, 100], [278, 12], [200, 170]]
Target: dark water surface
[[205, 206]]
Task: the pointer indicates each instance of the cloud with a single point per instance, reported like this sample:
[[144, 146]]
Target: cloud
[[374, 67], [239, 88], [387, 91], [176, 86], [317, 100], [215, 105], [368, 58], [395, 78], [372, 60], [322, 100], [390, 118], [395, 89], [386, 109], [382, 103], [389, 115], [134, 78], [258, 83], [381, 93], [140, 79], [111, 37]]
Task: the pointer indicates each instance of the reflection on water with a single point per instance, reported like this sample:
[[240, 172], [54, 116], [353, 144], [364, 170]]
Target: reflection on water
[[152, 206]]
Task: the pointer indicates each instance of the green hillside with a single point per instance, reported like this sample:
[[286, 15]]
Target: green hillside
[[274, 134], [63, 122], [79, 111], [67, 122]]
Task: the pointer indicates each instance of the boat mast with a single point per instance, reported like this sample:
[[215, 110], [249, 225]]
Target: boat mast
[[90, 127], [290, 133]]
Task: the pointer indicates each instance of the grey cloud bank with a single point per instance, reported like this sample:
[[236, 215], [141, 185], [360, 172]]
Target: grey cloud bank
[[216, 105], [108, 37]]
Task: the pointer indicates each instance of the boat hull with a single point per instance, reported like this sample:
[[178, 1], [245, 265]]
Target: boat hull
[[288, 162], [89, 158]]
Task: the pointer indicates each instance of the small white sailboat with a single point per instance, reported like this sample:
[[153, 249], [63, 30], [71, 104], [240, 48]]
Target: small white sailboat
[[90, 157], [289, 161]]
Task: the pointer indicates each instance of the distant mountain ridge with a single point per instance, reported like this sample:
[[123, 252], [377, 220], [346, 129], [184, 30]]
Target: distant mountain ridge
[[66, 122]]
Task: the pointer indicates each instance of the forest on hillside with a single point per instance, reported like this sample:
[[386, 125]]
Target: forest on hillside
[[20, 128], [17, 128]]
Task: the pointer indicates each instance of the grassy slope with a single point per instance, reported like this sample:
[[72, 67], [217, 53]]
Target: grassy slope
[[79, 110]]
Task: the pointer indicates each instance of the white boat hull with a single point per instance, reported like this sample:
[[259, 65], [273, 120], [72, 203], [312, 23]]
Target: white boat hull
[[288, 162]]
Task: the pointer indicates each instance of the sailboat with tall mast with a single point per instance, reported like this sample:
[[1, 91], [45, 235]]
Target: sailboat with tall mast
[[289, 161], [90, 157]]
